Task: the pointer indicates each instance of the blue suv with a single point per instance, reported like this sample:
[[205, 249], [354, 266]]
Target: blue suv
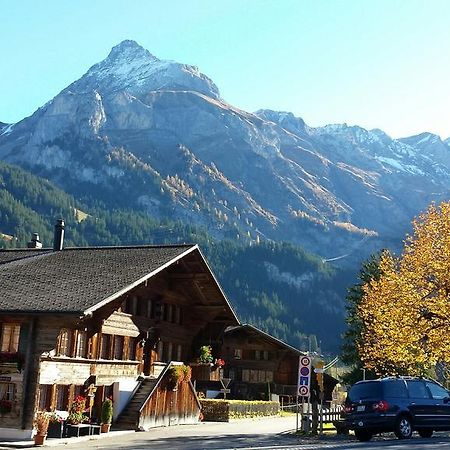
[[398, 404]]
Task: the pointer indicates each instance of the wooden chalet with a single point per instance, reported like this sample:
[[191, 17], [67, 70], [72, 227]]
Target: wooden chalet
[[261, 366], [104, 322]]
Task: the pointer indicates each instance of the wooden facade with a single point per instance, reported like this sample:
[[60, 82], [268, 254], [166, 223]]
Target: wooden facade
[[105, 351], [258, 364]]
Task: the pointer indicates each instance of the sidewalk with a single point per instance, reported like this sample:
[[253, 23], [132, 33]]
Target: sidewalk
[[53, 442]]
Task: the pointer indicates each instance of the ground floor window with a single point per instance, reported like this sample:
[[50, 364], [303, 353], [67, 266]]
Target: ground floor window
[[257, 376], [45, 397]]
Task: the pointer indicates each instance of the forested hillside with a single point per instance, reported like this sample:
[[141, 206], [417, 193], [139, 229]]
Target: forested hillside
[[276, 286]]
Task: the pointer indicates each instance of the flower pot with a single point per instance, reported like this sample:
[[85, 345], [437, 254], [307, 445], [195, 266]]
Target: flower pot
[[105, 427], [39, 439]]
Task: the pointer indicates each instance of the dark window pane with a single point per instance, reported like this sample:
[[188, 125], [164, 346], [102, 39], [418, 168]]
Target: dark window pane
[[437, 392], [362, 391], [417, 389], [395, 388]]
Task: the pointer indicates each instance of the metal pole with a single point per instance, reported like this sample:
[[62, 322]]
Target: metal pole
[[296, 419]]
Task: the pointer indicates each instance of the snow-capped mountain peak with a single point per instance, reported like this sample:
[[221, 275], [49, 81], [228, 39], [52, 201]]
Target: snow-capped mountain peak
[[130, 67]]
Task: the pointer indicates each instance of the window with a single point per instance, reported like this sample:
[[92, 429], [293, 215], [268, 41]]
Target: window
[[255, 376], [118, 347], [177, 318], [10, 338], [80, 349], [179, 350], [131, 349], [437, 392], [62, 396], [395, 388], [149, 308], [105, 344], [417, 389], [160, 349], [63, 347], [237, 353], [7, 391], [45, 396]]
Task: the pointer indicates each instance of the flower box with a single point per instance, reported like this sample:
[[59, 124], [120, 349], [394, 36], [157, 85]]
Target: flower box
[[205, 372], [56, 430]]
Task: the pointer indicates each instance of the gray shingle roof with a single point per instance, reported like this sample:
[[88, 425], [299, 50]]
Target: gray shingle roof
[[76, 280]]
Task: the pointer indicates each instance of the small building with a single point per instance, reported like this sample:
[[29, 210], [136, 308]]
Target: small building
[[104, 322], [261, 366]]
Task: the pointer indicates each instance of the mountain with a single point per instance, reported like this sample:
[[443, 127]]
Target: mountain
[[142, 150], [155, 135]]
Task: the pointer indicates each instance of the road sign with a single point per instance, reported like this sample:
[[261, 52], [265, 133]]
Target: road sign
[[304, 376]]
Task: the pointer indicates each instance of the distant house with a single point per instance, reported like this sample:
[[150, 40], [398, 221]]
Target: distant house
[[260, 365], [105, 322]]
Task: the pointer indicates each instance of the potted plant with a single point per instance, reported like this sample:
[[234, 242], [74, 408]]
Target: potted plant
[[205, 356], [174, 376], [107, 415], [55, 426], [76, 413], [41, 422], [187, 373]]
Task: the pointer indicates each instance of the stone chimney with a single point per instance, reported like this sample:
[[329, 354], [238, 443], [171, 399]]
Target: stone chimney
[[58, 239], [35, 242]]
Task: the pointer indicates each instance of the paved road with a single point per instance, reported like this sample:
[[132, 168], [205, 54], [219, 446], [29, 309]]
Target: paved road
[[264, 434]]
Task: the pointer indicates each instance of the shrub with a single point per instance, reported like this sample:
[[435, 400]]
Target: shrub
[[224, 410], [107, 411]]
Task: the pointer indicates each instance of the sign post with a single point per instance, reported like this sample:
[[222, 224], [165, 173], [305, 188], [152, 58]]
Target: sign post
[[319, 375], [225, 382], [303, 383]]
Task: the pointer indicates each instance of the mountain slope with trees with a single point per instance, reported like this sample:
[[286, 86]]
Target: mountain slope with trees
[[278, 287]]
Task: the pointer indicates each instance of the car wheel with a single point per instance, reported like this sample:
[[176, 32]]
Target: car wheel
[[403, 427], [425, 433], [363, 436]]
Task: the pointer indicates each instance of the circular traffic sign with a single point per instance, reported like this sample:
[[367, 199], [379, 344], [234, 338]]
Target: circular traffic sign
[[305, 361], [303, 390]]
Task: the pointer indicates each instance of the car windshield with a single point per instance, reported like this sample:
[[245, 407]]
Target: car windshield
[[362, 391]]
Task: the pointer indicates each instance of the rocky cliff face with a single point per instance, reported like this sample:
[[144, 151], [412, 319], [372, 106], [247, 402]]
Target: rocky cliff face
[[156, 135]]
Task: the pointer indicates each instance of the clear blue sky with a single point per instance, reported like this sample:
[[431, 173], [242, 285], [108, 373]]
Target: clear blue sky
[[376, 63]]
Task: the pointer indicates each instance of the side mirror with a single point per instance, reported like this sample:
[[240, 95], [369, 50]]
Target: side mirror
[[446, 399]]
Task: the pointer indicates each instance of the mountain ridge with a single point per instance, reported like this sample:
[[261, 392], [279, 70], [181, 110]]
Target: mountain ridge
[[159, 132]]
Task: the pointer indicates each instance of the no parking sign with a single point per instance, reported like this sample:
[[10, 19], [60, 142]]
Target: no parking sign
[[304, 376]]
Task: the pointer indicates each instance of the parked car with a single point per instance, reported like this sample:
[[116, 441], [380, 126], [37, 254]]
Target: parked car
[[398, 404]]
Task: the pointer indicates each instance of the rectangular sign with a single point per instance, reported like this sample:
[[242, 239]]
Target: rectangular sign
[[304, 376]]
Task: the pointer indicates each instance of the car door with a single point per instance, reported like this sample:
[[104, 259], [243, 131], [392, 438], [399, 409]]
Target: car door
[[421, 404], [441, 401]]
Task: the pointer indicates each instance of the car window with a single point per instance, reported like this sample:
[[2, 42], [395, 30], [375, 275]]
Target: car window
[[395, 388], [417, 389], [437, 392], [365, 390]]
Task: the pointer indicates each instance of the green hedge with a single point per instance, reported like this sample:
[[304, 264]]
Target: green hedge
[[224, 410]]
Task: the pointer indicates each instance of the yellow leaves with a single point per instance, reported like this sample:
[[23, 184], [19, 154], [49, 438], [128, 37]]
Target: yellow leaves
[[405, 313]]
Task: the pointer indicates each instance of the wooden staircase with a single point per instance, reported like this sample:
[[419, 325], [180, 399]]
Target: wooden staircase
[[129, 417]]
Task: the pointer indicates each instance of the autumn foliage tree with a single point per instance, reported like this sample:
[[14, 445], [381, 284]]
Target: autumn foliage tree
[[405, 313]]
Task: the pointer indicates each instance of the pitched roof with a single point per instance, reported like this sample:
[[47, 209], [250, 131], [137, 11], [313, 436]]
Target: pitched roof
[[251, 329], [77, 280]]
